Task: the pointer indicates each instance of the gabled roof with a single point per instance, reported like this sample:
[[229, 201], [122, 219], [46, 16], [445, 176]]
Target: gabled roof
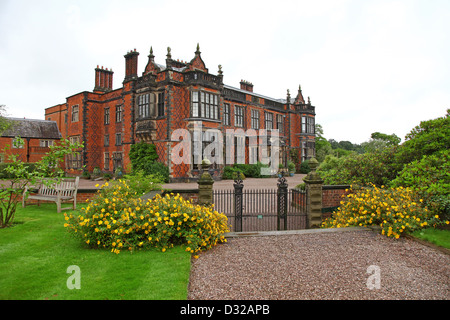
[[32, 128]]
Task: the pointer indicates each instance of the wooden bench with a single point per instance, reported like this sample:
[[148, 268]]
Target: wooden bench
[[64, 191]]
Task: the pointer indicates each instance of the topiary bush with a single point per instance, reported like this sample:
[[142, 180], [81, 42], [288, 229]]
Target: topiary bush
[[116, 220]]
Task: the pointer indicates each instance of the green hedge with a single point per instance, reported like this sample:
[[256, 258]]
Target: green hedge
[[143, 157], [6, 175], [248, 170]]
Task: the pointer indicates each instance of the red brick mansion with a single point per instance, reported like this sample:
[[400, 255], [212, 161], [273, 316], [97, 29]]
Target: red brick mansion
[[177, 95]]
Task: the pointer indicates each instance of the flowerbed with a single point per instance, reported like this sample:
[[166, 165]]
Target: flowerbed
[[115, 219], [396, 211]]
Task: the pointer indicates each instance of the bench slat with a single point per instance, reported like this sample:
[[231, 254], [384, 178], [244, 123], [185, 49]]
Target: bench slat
[[63, 191]]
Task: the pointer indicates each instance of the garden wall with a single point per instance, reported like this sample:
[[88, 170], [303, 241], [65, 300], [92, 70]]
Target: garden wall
[[332, 195]]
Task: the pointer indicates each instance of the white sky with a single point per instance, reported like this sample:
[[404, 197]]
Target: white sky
[[368, 65]]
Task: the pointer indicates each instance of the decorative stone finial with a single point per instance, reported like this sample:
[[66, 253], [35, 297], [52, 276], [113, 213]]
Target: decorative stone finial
[[220, 69], [309, 101], [313, 177], [313, 164], [206, 164], [169, 55], [151, 56], [288, 98], [198, 49]]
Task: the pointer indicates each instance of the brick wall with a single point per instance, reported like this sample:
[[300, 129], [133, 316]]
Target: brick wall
[[30, 152], [332, 195], [187, 194]]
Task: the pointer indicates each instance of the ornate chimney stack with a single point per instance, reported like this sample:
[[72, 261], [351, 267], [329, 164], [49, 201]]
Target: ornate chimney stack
[[131, 65], [247, 86], [103, 80]]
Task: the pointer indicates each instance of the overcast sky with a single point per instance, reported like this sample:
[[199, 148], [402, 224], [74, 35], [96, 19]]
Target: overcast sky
[[380, 65]]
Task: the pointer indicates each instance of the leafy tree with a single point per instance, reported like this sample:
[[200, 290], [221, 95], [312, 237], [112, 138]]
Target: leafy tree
[[380, 141], [345, 145], [390, 139], [332, 170], [430, 177], [340, 153], [429, 137], [323, 147], [4, 122], [377, 168]]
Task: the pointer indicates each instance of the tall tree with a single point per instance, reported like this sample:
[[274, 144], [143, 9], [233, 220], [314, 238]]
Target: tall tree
[[429, 137], [380, 141], [4, 122], [323, 147]]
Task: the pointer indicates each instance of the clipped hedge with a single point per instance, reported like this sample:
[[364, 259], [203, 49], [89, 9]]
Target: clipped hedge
[[248, 170]]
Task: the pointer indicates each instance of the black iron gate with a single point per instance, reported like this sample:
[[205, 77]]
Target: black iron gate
[[262, 209]]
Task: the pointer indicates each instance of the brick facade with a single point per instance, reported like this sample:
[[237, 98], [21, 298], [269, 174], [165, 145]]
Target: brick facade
[[173, 96], [37, 136], [333, 195]]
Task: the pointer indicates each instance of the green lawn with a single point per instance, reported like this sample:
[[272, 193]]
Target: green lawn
[[36, 252], [438, 237]]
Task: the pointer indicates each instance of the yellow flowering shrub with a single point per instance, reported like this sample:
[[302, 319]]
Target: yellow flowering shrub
[[395, 210], [115, 219]]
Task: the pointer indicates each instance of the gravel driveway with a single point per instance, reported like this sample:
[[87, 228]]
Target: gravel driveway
[[320, 265]]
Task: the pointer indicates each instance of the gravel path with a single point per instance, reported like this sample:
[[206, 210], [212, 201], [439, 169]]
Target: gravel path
[[325, 266]]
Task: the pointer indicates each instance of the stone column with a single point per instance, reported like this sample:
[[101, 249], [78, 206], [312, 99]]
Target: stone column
[[313, 195], [205, 185]]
